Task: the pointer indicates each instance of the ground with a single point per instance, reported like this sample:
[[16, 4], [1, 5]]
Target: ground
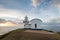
[[21, 34]]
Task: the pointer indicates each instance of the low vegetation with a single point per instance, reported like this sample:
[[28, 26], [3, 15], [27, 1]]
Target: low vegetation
[[48, 30], [58, 33]]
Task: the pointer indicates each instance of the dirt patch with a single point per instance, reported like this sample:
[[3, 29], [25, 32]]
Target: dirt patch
[[43, 32]]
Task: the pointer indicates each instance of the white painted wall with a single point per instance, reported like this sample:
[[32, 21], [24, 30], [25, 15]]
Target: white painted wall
[[36, 21], [27, 26]]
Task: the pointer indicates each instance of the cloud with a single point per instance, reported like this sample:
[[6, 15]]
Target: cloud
[[39, 5], [44, 4], [35, 3], [53, 24], [56, 3], [58, 7], [55, 20], [13, 13], [9, 3], [45, 9]]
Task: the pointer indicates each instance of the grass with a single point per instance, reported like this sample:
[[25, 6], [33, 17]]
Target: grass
[[20, 34]]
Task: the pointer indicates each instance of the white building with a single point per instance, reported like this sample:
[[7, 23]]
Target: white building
[[33, 24]]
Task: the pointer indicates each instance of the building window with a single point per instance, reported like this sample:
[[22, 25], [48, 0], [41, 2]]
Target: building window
[[35, 25]]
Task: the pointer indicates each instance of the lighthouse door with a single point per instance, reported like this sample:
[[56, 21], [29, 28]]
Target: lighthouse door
[[35, 25]]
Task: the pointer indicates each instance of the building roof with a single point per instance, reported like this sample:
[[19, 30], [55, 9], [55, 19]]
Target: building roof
[[36, 19]]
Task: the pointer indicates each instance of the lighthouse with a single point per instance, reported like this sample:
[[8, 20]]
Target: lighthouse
[[26, 23]]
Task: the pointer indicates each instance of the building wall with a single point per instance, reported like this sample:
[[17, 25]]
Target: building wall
[[37, 22], [27, 26]]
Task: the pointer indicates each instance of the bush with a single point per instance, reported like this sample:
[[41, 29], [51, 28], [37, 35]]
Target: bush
[[48, 30], [58, 33]]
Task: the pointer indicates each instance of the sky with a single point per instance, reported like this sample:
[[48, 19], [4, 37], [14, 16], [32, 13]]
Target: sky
[[42, 9]]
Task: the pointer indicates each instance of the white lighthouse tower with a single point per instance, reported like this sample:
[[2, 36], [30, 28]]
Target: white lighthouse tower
[[26, 23]]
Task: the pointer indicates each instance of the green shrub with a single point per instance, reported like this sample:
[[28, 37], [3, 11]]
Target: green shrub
[[58, 33]]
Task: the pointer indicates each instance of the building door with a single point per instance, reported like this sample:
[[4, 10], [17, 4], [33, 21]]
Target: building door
[[35, 25]]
